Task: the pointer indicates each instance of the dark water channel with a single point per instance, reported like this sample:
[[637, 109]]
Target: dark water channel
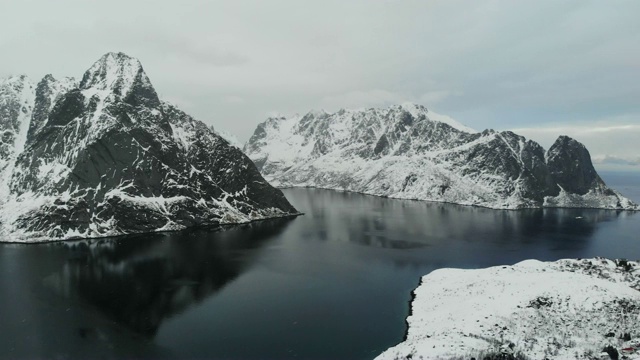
[[334, 283]]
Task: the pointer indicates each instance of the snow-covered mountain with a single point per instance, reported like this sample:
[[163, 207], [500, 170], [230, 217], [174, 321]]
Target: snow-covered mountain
[[568, 309], [231, 139], [409, 152], [105, 156]]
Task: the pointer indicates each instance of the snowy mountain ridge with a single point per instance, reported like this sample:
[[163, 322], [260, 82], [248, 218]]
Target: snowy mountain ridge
[[106, 156], [116, 74], [417, 110], [406, 151]]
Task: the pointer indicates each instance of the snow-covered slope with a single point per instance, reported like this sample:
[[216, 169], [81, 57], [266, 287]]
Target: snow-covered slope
[[106, 156], [409, 152], [231, 139], [569, 309], [17, 95]]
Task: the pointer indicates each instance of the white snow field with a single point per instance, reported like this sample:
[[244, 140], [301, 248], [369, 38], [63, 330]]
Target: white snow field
[[568, 309]]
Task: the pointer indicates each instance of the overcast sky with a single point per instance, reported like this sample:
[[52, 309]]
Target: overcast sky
[[544, 68]]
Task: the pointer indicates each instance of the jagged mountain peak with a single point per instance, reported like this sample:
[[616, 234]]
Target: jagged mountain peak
[[48, 91], [16, 104], [13, 78], [570, 165], [406, 151], [50, 79], [15, 82], [564, 144], [50, 84], [121, 75], [317, 113], [109, 68], [409, 106], [106, 157], [566, 140], [417, 111]]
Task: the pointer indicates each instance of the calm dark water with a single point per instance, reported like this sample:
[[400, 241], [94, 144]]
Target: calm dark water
[[334, 283]]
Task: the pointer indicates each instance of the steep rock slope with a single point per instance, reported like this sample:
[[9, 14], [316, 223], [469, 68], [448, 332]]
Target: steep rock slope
[[408, 152], [106, 156]]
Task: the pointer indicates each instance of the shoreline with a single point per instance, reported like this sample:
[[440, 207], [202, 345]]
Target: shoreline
[[134, 234], [636, 209]]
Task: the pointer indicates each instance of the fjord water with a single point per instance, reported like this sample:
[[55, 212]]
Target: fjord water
[[334, 283]]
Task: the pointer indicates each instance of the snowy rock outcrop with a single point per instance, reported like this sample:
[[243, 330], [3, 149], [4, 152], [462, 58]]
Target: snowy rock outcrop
[[105, 156], [568, 309], [409, 152]]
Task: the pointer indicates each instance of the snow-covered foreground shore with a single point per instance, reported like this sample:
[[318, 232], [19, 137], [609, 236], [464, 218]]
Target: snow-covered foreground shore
[[568, 309]]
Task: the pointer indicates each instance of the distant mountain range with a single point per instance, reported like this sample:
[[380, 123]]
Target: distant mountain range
[[105, 156], [409, 152]]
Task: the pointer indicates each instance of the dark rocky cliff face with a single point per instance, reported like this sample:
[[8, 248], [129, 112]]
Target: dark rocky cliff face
[[110, 158], [570, 166], [408, 152], [48, 91]]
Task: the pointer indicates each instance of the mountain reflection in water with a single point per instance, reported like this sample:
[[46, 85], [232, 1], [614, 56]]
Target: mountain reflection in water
[[141, 281], [402, 224], [332, 284]]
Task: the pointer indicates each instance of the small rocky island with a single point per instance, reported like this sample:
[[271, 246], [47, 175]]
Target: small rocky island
[[408, 152], [105, 156], [568, 309]]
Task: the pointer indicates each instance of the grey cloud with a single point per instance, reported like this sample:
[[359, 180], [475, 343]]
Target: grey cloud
[[614, 160], [363, 99], [194, 50], [489, 64]]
